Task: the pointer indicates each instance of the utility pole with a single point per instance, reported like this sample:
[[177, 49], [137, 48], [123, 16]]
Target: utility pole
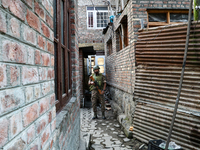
[[196, 9]]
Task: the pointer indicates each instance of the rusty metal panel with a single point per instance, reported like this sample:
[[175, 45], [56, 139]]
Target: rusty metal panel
[[159, 56], [153, 121]]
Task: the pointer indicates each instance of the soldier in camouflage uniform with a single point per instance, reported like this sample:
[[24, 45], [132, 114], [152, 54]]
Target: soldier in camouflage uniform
[[100, 79]]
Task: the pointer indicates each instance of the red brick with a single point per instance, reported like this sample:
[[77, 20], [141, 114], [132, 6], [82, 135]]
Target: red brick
[[52, 61], [30, 56], [44, 105], [31, 134], [14, 52], [52, 99], [29, 75], [3, 131], [46, 88], [54, 112], [17, 144], [6, 3], [15, 27], [3, 77], [45, 136], [14, 75], [11, 99], [53, 125], [41, 42], [37, 91], [29, 94], [50, 47], [51, 144], [41, 124], [45, 3], [37, 57], [43, 74], [33, 20], [50, 117], [3, 24], [39, 11], [16, 124], [29, 35], [30, 114], [34, 145], [45, 59], [49, 21], [18, 8], [50, 74], [29, 2], [51, 10], [45, 30]]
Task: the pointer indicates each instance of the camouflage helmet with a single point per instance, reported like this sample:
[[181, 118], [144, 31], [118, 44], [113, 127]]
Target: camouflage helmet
[[96, 67]]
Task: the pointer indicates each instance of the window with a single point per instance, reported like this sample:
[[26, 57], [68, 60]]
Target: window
[[165, 17], [124, 23], [62, 53], [97, 17], [109, 47], [122, 34], [118, 39]]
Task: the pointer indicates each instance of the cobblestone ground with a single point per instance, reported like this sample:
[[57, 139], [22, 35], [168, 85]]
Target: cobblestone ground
[[106, 134]]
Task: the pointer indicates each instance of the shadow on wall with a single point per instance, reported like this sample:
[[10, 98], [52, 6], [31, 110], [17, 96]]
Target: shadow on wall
[[195, 136]]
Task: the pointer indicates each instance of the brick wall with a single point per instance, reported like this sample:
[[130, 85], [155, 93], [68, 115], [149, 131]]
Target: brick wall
[[121, 65], [89, 37], [81, 75], [27, 109], [27, 100]]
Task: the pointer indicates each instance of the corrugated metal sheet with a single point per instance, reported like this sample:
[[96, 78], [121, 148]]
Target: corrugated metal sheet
[[159, 58], [152, 122]]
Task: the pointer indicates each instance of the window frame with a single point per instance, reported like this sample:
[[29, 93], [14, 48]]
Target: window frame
[[167, 11], [94, 11], [62, 99]]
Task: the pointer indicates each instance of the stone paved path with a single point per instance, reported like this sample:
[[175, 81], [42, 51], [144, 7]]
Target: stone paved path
[[106, 134]]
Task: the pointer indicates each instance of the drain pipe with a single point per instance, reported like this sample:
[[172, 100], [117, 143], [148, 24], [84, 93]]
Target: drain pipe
[[182, 74]]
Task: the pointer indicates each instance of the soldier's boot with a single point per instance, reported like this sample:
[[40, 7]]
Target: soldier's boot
[[95, 116], [103, 115]]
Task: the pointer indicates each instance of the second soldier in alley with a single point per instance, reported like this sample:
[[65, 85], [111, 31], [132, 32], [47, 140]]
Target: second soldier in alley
[[97, 84]]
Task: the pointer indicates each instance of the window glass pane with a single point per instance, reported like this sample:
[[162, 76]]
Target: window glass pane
[[63, 70], [90, 8], [101, 69], [178, 17], [69, 78], [90, 19], [54, 17], [157, 17], [102, 19], [62, 22], [100, 61], [101, 8]]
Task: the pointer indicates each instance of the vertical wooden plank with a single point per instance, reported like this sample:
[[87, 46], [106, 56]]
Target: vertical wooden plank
[[168, 17]]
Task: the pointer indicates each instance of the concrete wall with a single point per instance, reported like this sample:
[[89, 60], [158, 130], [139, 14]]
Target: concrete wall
[[121, 65], [28, 117]]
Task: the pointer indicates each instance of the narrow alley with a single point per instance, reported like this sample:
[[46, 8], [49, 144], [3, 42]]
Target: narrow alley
[[105, 134], [56, 56]]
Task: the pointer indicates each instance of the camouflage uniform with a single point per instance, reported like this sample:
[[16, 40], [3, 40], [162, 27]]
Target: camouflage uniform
[[95, 95]]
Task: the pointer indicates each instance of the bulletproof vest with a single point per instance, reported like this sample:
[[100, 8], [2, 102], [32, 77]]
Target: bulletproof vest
[[99, 81]]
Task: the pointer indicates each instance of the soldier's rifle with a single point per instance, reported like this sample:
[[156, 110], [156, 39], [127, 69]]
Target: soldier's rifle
[[96, 84]]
